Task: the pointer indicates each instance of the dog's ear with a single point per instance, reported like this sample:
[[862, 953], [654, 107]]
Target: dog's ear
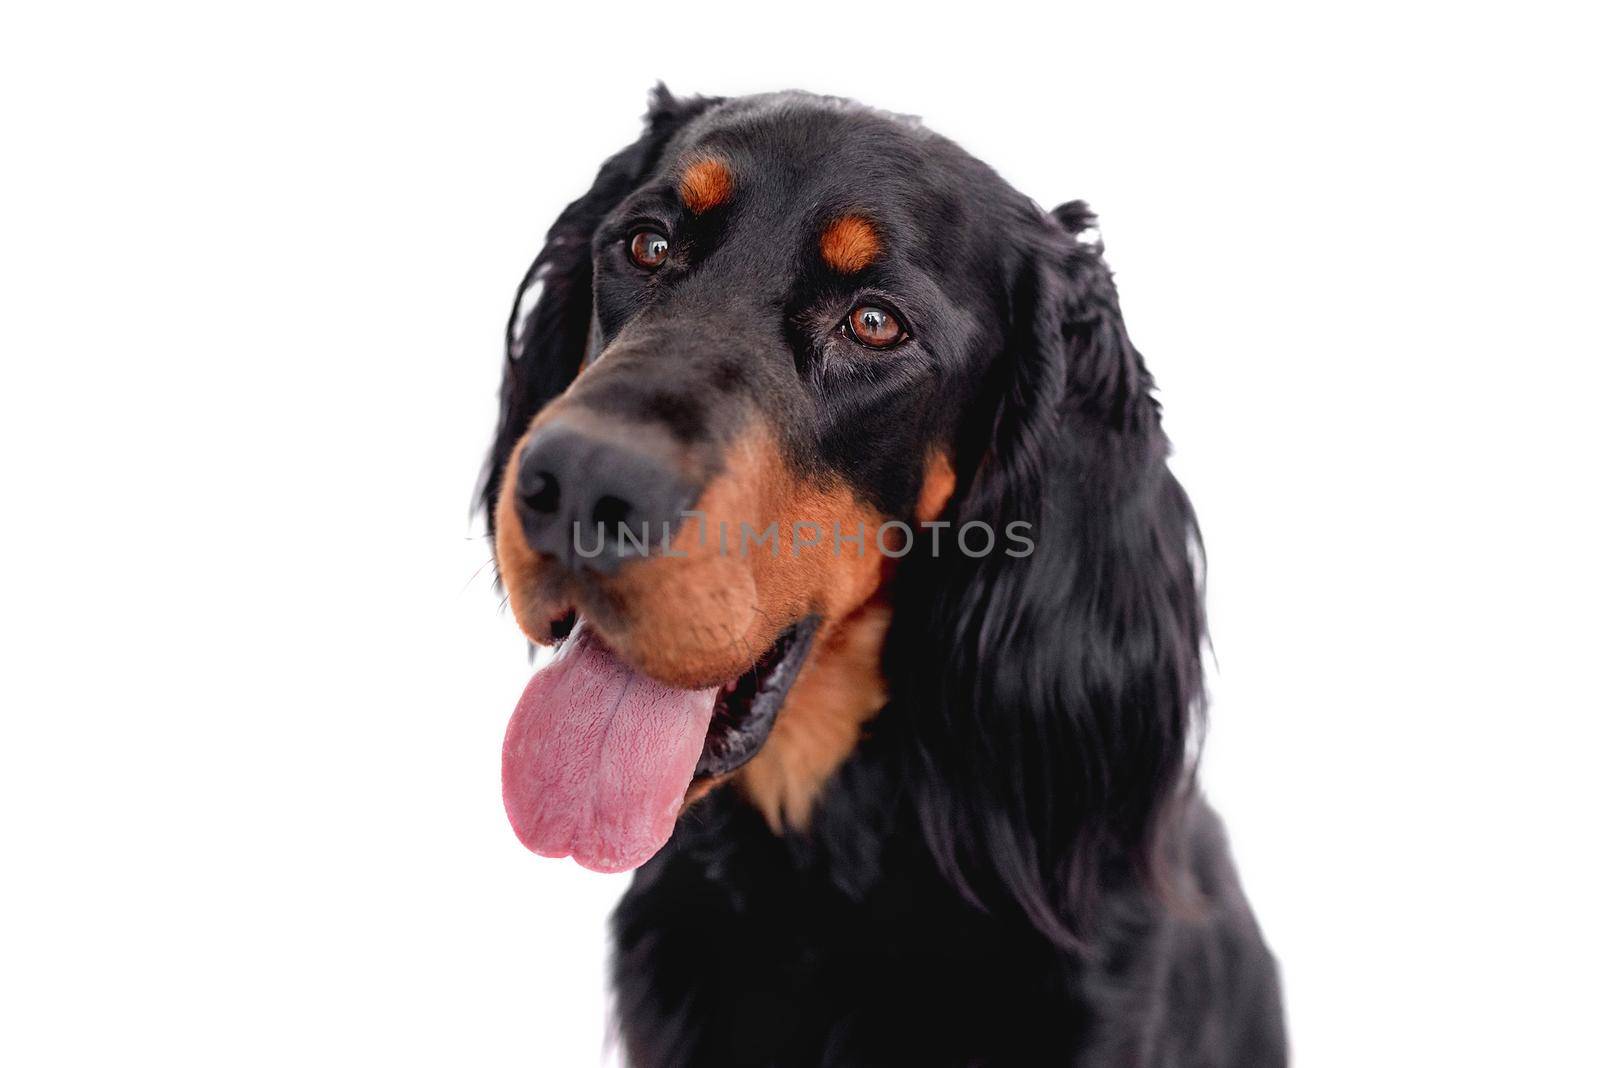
[[548, 330], [1050, 730]]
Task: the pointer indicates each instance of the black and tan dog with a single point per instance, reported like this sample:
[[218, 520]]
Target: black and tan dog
[[898, 800]]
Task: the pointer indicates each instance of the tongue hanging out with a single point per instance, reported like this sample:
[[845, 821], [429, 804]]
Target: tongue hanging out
[[598, 756]]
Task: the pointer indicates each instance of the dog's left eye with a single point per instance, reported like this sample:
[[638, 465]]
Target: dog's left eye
[[875, 327]]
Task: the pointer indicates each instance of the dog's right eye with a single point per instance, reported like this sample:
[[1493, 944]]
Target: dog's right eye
[[648, 249], [874, 327]]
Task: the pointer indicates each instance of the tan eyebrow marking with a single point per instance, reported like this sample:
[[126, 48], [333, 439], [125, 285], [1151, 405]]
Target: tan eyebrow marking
[[705, 184], [849, 244]]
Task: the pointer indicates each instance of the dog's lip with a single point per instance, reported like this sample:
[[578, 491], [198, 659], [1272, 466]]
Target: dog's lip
[[748, 706], [561, 625]]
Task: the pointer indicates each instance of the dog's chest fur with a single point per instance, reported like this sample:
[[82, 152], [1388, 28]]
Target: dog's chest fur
[[847, 947]]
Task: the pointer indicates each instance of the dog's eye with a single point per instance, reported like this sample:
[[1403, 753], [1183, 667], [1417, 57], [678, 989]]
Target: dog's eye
[[875, 327], [648, 249]]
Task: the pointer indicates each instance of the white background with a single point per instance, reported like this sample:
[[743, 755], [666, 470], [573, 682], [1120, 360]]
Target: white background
[[255, 269]]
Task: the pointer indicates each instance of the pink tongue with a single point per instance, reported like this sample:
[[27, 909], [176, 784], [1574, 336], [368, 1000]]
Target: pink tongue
[[598, 756]]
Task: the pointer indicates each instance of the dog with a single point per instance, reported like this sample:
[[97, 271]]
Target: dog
[[892, 799]]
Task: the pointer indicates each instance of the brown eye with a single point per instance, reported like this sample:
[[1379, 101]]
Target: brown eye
[[648, 249], [875, 327]]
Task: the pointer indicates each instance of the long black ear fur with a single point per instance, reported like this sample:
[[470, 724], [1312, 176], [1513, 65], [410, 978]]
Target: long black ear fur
[[1050, 700], [548, 329]]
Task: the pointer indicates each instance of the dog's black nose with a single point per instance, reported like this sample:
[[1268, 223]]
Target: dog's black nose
[[596, 504]]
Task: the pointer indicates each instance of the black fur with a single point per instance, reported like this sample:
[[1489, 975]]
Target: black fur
[[1015, 867]]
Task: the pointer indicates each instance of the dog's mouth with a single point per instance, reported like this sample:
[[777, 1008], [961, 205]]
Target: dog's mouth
[[598, 756], [747, 707]]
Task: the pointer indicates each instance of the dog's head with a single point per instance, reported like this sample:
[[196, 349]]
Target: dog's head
[[806, 408]]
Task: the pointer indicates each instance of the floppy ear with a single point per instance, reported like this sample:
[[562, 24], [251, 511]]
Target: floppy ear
[[548, 330], [1048, 731]]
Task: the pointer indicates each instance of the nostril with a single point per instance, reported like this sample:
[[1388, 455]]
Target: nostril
[[541, 492], [610, 511]]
